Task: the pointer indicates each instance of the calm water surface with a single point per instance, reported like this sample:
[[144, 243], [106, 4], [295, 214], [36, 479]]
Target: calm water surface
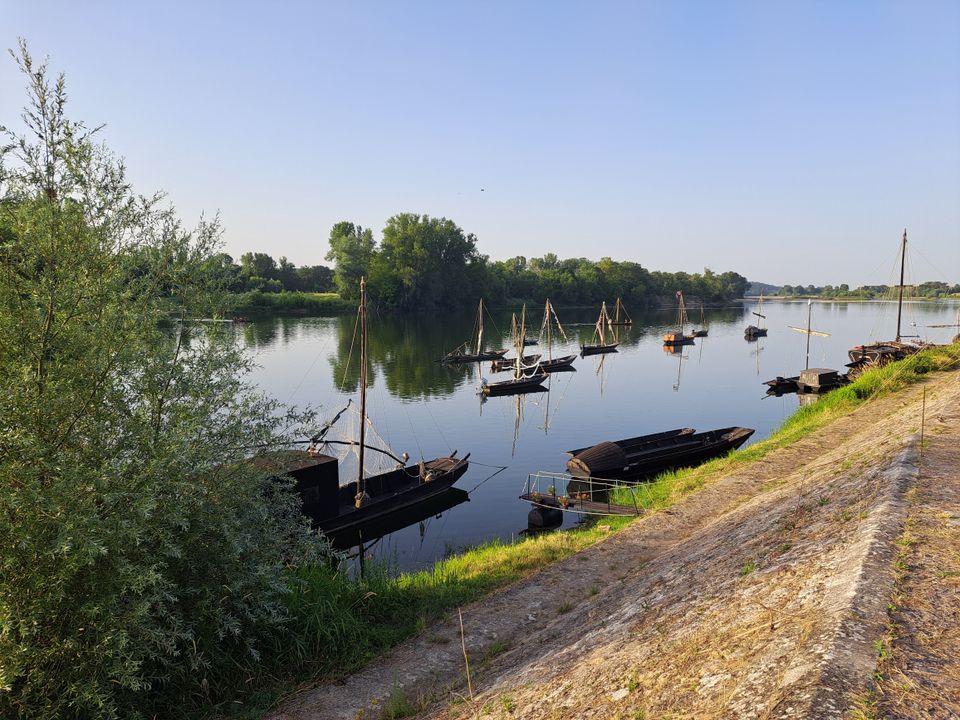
[[428, 409]]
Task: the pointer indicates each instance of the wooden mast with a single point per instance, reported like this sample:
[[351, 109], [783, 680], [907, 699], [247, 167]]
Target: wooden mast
[[903, 260], [480, 325], [603, 320], [809, 331], [546, 317], [358, 501]]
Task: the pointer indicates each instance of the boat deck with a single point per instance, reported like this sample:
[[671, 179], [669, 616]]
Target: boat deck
[[588, 507]]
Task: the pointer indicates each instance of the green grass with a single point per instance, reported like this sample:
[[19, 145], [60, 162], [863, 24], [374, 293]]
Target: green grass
[[668, 488], [291, 303], [342, 623]]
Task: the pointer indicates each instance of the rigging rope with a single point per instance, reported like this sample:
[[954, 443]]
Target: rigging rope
[[500, 469]]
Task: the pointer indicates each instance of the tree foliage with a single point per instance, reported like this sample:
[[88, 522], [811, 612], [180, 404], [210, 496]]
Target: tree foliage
[[142, 563], [352, 249]]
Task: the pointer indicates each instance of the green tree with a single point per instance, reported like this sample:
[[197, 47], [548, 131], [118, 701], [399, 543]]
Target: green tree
[[258, 265], [426, 263], [352, 250], [143, 562]]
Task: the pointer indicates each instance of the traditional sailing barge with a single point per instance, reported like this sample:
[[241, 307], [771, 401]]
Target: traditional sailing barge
[[348, 514]]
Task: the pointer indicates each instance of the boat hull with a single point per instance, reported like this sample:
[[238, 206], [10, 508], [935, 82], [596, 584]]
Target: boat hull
[[389, 493], [645, 457], [557, 364], [517, 385], [504, 364], [474, 357], [597, 349]]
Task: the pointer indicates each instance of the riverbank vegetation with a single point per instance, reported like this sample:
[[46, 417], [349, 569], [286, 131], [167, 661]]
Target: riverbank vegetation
[[927, 290], [424, 263], [143, 566]]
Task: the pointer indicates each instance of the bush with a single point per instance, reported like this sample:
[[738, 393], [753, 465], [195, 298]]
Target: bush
[[143, 568]]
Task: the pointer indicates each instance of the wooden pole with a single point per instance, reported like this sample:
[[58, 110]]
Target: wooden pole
[[363, 386], [809, 305], [903, 260]]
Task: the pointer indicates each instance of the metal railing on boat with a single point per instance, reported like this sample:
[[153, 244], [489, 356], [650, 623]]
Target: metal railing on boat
[[586, 495]]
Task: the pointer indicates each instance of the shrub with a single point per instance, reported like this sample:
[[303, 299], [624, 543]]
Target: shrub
[[143, 567]]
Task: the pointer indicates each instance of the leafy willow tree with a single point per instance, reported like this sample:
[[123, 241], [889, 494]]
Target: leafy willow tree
[[142, 564], [352, 249]]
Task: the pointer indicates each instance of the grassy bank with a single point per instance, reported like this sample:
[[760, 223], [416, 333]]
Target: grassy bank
[[343, 623], [668, 488], [291, 303]]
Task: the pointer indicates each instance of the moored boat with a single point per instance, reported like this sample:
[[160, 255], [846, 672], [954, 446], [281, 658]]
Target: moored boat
[[599, 333], [881, 353], [463, 354], [646, 456], [677, 337], [344, 511]]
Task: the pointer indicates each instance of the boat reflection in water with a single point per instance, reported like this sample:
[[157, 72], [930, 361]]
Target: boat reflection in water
[[401, 519]]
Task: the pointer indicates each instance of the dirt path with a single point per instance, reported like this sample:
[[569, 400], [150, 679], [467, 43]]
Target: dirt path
[[761, 595], [920, 671]]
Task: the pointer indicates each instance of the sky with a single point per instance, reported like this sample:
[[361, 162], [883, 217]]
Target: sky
[[791, 142]]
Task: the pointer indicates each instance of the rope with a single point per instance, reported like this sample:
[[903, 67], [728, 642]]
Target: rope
[[500, 469], [346, 368]]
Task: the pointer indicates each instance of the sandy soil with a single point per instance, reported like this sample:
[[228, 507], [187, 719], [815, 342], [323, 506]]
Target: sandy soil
[[763, 595]]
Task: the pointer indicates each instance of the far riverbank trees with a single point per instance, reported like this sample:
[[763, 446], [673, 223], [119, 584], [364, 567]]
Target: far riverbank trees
[[426, 263]]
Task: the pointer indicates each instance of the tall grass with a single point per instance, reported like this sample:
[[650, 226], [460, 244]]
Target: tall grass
[[291, 303]]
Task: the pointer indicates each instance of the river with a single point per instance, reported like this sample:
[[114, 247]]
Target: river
[[426, 408]]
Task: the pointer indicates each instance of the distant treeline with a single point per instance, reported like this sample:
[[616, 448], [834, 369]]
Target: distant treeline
[[425, 263], [259, 272], [867, 292]]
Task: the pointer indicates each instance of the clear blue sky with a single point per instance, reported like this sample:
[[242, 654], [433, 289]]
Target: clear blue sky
[[791, 142]]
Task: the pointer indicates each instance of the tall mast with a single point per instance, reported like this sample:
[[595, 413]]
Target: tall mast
[[521, 336], [480, 331], [546, 315], [809, 305], [363, 385], [903, 261]]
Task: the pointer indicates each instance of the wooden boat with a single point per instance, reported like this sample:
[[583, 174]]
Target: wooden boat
[[504, 364], [528, 383], [557, 364], [702, 332], [344, 511], [820, 380], [805, 383], [881, 353], [599, 333], [781, 385], [676, 337], [552, 364], [525, 379], [617, 319], [646, 456], [462, 353], [752, 332]]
